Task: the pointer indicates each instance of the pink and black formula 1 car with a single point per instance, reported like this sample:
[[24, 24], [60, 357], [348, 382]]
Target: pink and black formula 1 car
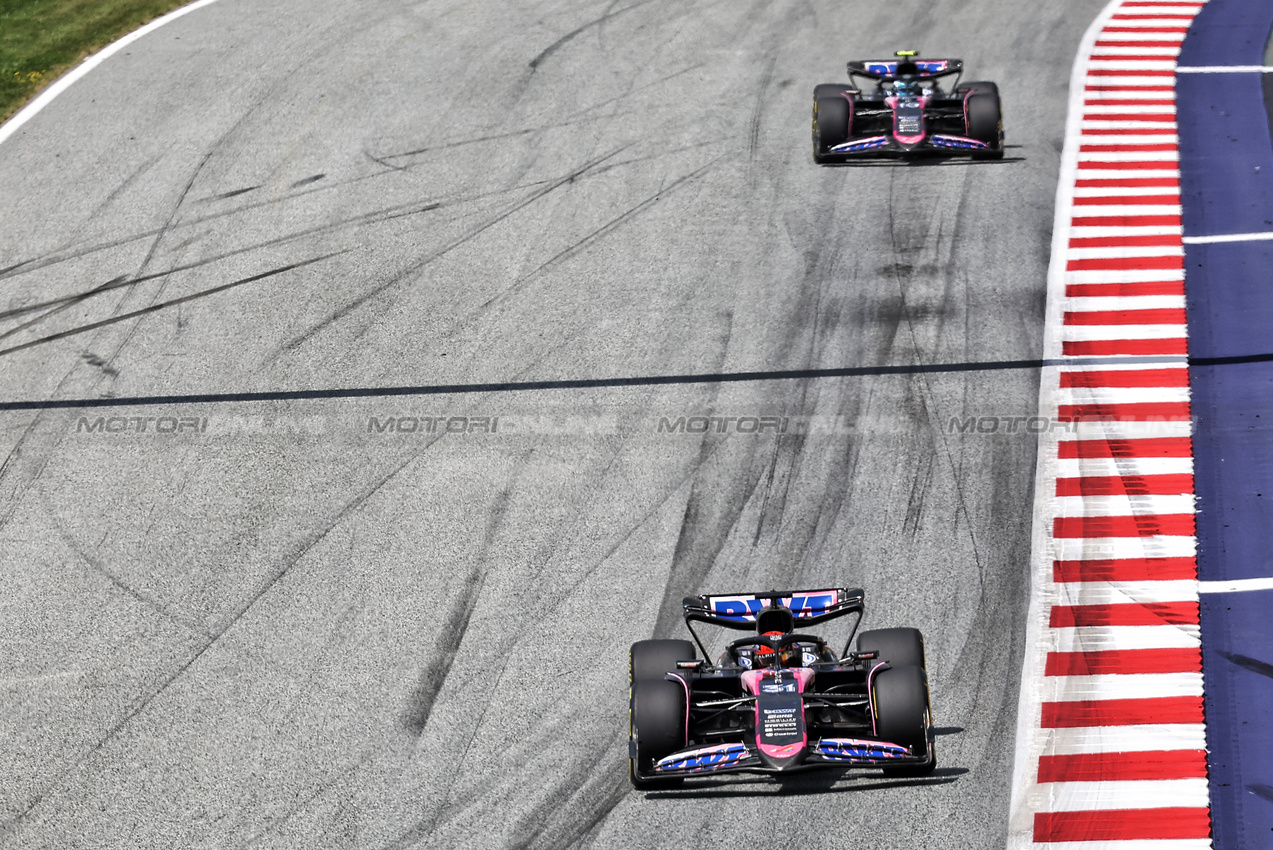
[[778, 700], [898, 108]]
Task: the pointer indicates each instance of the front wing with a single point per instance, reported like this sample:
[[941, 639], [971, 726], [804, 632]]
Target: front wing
[[825, 752], [887, 145]]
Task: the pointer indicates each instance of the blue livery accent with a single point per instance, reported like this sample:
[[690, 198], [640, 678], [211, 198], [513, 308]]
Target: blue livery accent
[[861, 145], [705, 759], [958, 142], [744, 610], [859, 752], [890, 68]]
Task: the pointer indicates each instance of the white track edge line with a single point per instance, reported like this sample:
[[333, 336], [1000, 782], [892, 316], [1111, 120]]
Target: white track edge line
[[1030, 698], [68, 79], [1228, 237]]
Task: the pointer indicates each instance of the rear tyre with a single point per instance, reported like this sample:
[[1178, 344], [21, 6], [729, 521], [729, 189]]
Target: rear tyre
[[653, 659], [657, 729], [899, 698], [899, 647], [830, 126], [985, 123]]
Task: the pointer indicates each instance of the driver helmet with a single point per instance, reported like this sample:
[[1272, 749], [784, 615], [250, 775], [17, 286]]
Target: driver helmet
[[774, 621], [766, 656]]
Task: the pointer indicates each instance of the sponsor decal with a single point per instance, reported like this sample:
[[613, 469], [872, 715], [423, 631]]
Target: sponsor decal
[[780, 719], [807, 605], [908, 125], [707, 758], [854, 750], [890, 68]]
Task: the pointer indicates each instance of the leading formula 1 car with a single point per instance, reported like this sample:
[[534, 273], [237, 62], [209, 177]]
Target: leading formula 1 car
[[899, 108], [778, 700]]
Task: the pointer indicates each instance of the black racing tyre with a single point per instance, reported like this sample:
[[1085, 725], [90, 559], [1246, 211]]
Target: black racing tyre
[[978, 86], [899, 647], [654, 659], [656, 729], [902, 715], [985, 123], [832, 90], [830, 126]]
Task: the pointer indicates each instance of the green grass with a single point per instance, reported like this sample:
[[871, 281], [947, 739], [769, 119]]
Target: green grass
[[40, 39]]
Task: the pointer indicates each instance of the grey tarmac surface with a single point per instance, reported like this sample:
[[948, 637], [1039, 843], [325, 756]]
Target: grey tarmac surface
[[280, 623]]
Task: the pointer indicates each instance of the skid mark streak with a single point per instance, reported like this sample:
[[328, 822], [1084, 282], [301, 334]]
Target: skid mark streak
[[1246, 662], [211, 640], [599, 233], [561, 42], [59, 304], [473, 233], [98, 567], [165, 304], [376, 217], [452, 634]]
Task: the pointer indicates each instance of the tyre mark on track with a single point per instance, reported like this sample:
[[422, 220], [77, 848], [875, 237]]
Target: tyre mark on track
[[581, 244], [376, 217], [153, 308], [212, 639], [471, 234], [98, 567], [565, 39], [452, 635], [59, 305]]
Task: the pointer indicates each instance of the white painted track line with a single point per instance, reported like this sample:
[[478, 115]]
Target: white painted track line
[[70, 77]]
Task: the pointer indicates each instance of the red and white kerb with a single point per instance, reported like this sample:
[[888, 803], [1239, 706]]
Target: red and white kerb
[[1111, 742]]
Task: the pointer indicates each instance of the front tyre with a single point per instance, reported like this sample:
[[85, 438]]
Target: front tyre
[[830, 126], [899, 647], [656, 729], [985, 123], [899, 700], [654, 659]]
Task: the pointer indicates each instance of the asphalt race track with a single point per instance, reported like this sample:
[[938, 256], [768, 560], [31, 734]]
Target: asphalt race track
[[361, 620]]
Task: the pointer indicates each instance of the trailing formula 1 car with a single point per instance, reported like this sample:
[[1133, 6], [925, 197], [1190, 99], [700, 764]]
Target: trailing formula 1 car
[[778, 700], [899, 108]]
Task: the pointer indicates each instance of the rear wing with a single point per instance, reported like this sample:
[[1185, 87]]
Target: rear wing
[[886, 69], [738, 610]]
